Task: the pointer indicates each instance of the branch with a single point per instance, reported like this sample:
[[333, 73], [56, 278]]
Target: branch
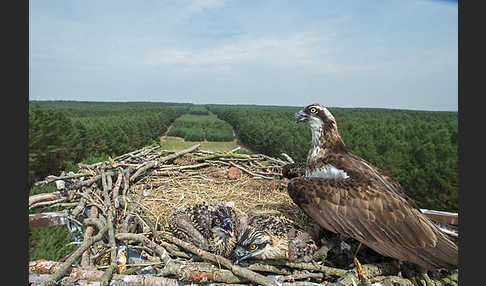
[[250, 172], [238, 270], [34, 199], [51, 280], [111, 232], [177, 154], [164, 255]]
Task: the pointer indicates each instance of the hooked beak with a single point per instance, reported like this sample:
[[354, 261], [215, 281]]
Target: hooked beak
[[227, 227], [240, 256], [301, 116]]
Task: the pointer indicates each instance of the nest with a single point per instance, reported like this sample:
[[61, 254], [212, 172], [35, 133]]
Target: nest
[[117, 211]]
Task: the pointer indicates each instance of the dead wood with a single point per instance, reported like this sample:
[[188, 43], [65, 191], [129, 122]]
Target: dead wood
[[238, 270], [131, 196], [36, 199], [47, 219], [51, 280], [106, 181]]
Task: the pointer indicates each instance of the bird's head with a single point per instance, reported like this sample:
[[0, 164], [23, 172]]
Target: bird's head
[[315, 115], [223, 221], [251, 242]]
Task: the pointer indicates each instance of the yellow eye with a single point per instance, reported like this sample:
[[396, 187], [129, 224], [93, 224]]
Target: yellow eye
[[232, 217], [313, 110], [217, 220], [252, 247]]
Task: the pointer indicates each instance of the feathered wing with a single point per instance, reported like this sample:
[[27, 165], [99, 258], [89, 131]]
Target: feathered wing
[[376, 216]]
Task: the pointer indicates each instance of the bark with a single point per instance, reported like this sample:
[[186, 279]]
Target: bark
[[51, 280], [34, 199], [47, 219], [238, 270], [162, 252]]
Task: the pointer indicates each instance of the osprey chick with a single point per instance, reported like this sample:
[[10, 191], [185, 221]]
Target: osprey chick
[[293, 170], [345, 194], [273, 237], [209, 227]]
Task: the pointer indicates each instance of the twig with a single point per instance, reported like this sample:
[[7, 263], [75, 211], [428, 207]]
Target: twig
[[51, 280], [240, 271], [221, 156], [250, 172], [85, 258], [111, 232], [288, 158], [44, 197], [177, 154], [162, 252], [200, 273], [47, 203], [51, 178], [300, 276], [116, 188], [142, 169]]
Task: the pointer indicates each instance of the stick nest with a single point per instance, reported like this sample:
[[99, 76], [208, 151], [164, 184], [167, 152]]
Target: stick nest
[[124, 203]]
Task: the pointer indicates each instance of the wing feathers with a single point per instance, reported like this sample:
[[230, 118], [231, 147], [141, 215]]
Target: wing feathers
[[376, 217]]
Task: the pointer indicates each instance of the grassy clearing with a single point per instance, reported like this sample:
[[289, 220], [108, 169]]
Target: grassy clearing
[[194, 127], [178, 143]]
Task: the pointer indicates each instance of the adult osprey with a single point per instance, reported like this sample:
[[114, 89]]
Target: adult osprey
[[345, 194]]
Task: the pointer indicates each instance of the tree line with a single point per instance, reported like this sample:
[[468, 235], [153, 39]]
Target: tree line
[[199, 125], [61, 135], [419, 148]]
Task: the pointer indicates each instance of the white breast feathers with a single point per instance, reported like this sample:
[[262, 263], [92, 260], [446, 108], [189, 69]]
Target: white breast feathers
[[327, 172]]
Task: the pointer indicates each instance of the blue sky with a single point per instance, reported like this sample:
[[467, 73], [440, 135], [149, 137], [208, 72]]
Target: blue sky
[[387, 54]]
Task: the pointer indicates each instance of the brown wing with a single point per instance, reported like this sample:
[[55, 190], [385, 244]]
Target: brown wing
[[365, 172], [368, 212]]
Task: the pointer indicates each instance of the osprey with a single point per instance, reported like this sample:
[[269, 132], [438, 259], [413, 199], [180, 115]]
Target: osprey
[[210, 227], [347, 195], [273, 237]]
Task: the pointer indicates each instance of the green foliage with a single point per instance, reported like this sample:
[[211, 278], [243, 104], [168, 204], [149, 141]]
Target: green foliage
[[49, 135], [201, 127], [198, 110], [51, 243], [62, 133], [419, 148]]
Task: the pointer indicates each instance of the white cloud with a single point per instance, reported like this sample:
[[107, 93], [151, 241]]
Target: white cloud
[[298, 50]]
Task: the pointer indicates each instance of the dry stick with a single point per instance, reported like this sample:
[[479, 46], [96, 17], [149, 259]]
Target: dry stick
[[222, 155], [196, 166], [47, 203], [350, 278], [162, 252], [117, 188], [51, 280], [309, 266], [273, 159], [240, 271], [81, 205], [177, 154], [111, 232], [200, 272], [81, 276], [85, 259], [299, 276], [269, 268], [126, 180], [89, 182], [142, 169], [152, 164], [288, 158], [250, 172], [391, 280], [170, 248], [43, 197], [54, 178]]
